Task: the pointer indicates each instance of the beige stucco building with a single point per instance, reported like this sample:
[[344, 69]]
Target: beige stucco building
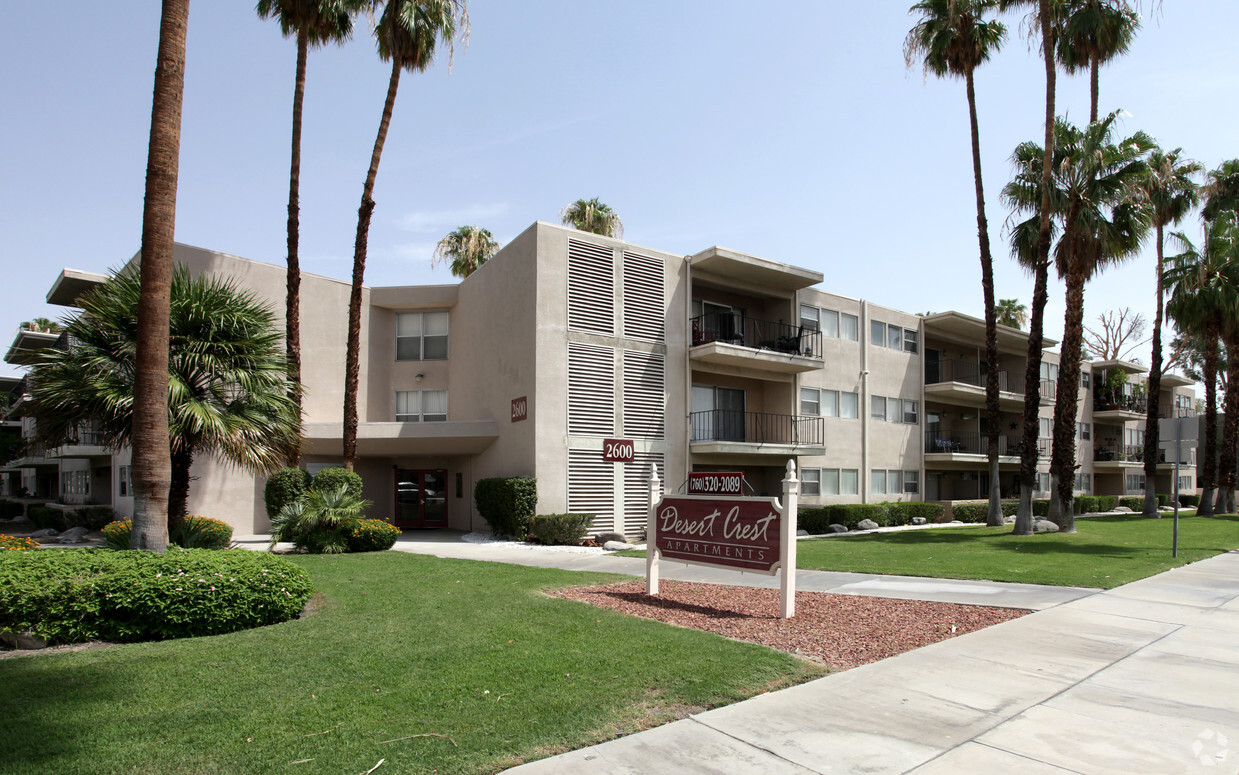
[[567, 347]]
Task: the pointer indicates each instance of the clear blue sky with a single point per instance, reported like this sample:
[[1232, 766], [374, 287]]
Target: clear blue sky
[[799, 136]]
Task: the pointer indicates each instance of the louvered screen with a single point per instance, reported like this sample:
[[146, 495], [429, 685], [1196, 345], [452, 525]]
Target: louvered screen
[[637, 490], [591, 487], [591, 390], [644, 395], [591, 288], [645, 306]]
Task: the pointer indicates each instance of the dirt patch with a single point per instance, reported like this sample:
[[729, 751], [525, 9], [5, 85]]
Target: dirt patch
[[7, 653], [839, 631]]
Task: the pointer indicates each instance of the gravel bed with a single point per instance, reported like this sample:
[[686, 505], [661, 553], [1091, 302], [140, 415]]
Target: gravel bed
[[839, 631]]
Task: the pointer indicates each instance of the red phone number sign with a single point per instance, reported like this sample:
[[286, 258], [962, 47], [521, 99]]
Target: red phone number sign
[[737, 533], [716, 483]]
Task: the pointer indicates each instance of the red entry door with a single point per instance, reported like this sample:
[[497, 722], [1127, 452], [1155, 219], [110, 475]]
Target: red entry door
[[421, 497]]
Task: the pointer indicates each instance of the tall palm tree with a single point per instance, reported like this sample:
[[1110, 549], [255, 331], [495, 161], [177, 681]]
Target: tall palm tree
[[229, 390], [1102, 222], [1093, 33], [1221, 190], [1039, 231], [151, 469], [1011, 313], [953, 38], [1171, 194], [1196, 303], [408, 33], [312, 23], [465, 249], [593, 216]]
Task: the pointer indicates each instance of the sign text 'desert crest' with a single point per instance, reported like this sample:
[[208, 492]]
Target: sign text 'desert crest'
[[738, 533]]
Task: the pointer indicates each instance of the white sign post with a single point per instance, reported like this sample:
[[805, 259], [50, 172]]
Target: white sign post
[[787, 542]]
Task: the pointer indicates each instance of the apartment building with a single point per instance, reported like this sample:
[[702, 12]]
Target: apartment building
[[583, 361]]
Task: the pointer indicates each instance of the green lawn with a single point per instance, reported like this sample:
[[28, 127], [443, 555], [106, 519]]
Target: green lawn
[[468, 661], [1105, 552]]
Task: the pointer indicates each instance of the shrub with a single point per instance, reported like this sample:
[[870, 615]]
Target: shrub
[[1041, 507], [970, 512], [116, 534], [507, 504], [1190, 501], [1087, 504], [10, 509], [313, 523], [18, 544], [201, 533], [284, 487], [45, 517], [77, 595], [559, 529], [1107, 502], [812, 520], [91, 517], [1133, 502], [902, 513], [1162, 500], [369, 535], [331, 479]]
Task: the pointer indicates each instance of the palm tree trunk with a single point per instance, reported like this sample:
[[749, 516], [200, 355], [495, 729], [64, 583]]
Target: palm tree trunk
[[1094, 67], [178, 494], [151, 471], [1036, 320], [292, 317], [991, 328], [1063, 463], [1152, 428], [1230, 426], [353, 357], [1206, 457]]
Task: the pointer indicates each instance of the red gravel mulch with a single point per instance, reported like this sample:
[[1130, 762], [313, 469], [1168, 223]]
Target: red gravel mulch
[[839, 631]]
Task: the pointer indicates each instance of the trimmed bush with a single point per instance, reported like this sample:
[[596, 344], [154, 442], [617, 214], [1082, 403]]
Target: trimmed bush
[[11, 509], [970, 512], [1190, 501], [90, 517], [1041, 507], [1107, 502], [284, 487], [1162, 501], [45, 517], [559, 529], [18, 544], [1133, 502], [812, 520], [331, 479], [1087, 504], [369, 535], [77, 595], [201, 533], [507, 505], [902, 513], [313, 523]]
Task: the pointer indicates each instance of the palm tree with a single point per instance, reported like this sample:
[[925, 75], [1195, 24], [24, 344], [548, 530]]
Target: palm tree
[[1196, 303], [150, 467], [1039, 231], [42, 326], [1221, 190], [593, 216], [1094, 32], [1011, 313], [465, 249], [953, 38], [408, 32], [229, 392], [1102, 223], [1171, 194], [313, 23]]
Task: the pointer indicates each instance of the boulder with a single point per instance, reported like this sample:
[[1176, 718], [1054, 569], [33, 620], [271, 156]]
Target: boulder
[[22, 640], [1122, 510], [866, 524], [602, 538], [19, 519], [73, 535], [46, 532], [617, 546], [1044, 526], [918, 520], [836, 528], [1008, 520], [802, 532]]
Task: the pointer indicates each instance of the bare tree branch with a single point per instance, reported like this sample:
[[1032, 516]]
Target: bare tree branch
[[1118, 336]]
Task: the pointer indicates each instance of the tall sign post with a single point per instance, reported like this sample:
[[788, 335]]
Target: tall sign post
[[757, 535]]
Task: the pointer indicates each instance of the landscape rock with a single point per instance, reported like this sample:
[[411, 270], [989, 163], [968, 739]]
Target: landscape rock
[[836, 528], [22, 640], [602, 538], [46, 532], [1122, 510], [866, 524], [1009, 520], [918, 520], [73, 535], [802, 532], [1044, 526], [19, 519], [617, 546]]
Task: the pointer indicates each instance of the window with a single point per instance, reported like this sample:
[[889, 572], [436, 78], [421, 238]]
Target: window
[[909, 340], [830, 403], [1047, 428], [1083, 431], [421, 336], [849, 482], [1084, 483], [877, 407], [912, 481], [877, 482], [1133, 437], [1049, 372], [910, 412], [810, 401], [1043, 482], [122, 482], [894, 337], [809, 318], [849, 405], [1084, 379], [421, 405], [1185, 483], [877, 333], [1135, 482], [849, 326], [810, 481], [830, 323], [830, 481], [892, 410], [75, 482]]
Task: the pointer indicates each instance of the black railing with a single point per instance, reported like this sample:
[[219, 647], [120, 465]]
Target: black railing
[[757, 428], [732, 328], [85, 435], [963, 371], [1102, 402], [1171, 412], [1049, 390], [1120, 453], [967, 443]]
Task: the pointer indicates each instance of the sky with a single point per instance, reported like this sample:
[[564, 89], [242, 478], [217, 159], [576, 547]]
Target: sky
[[799, 135]]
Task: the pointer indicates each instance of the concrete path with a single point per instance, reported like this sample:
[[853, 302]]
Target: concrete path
[[1139, 679]]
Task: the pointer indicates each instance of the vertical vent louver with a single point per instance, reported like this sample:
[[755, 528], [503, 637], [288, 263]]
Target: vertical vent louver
[[644, 395], [591, 488], [637, 490], [591, 288], [591, 390], [645, 306]]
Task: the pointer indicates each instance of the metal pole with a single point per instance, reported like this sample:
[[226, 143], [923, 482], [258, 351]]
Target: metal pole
[[1178, 455]]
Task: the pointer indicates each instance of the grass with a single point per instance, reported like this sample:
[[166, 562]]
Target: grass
[[468, 661], [1105, 552]]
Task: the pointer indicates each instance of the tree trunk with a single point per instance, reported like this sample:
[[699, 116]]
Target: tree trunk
[[178, 493], [1206, 451], [1230, 426], [364, 212], [1152, 427], [292, 317], [150, 465], [1063, 462], [991, 327], [1094, 67], [1036, 320]]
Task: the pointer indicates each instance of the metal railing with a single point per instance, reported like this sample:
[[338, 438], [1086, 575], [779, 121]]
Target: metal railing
[[968, 443], [1106, 403], [732, 328], [1119, 453], [757, 427], [963, 371], [1049, 390]]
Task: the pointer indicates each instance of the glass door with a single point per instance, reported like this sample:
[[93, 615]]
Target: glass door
[[421, 498]]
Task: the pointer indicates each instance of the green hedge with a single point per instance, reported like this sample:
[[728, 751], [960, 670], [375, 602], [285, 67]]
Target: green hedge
[[45, 517], [1189, 501], [369, 535], [334, 478], [816, 520], [190, 533], [11, 509], [285, 486], [559, 529], [507, 505], [76, 595]]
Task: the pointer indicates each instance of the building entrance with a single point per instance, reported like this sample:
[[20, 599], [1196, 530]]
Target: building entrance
[[421, 497]]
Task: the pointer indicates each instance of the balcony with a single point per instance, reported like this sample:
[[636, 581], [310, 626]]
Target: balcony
[[723, 431], [961, 382], [729, 339], [85, 440], [945, 445], [1049, 392], [1111, 407], [1118, 455]]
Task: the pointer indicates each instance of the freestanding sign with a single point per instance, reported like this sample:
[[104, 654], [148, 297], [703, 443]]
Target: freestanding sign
[[746, 534]]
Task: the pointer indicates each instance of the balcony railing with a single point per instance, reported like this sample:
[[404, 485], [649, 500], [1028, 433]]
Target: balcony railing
[[1049, 390], [731, 328], [1107, 403], [86, 435], [1119, 453], [757, 428], [963, 371], [1171, 412], [969, 443]]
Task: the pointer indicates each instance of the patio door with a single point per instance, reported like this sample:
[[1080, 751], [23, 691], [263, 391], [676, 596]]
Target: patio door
[[718, 413], [421, 497]]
